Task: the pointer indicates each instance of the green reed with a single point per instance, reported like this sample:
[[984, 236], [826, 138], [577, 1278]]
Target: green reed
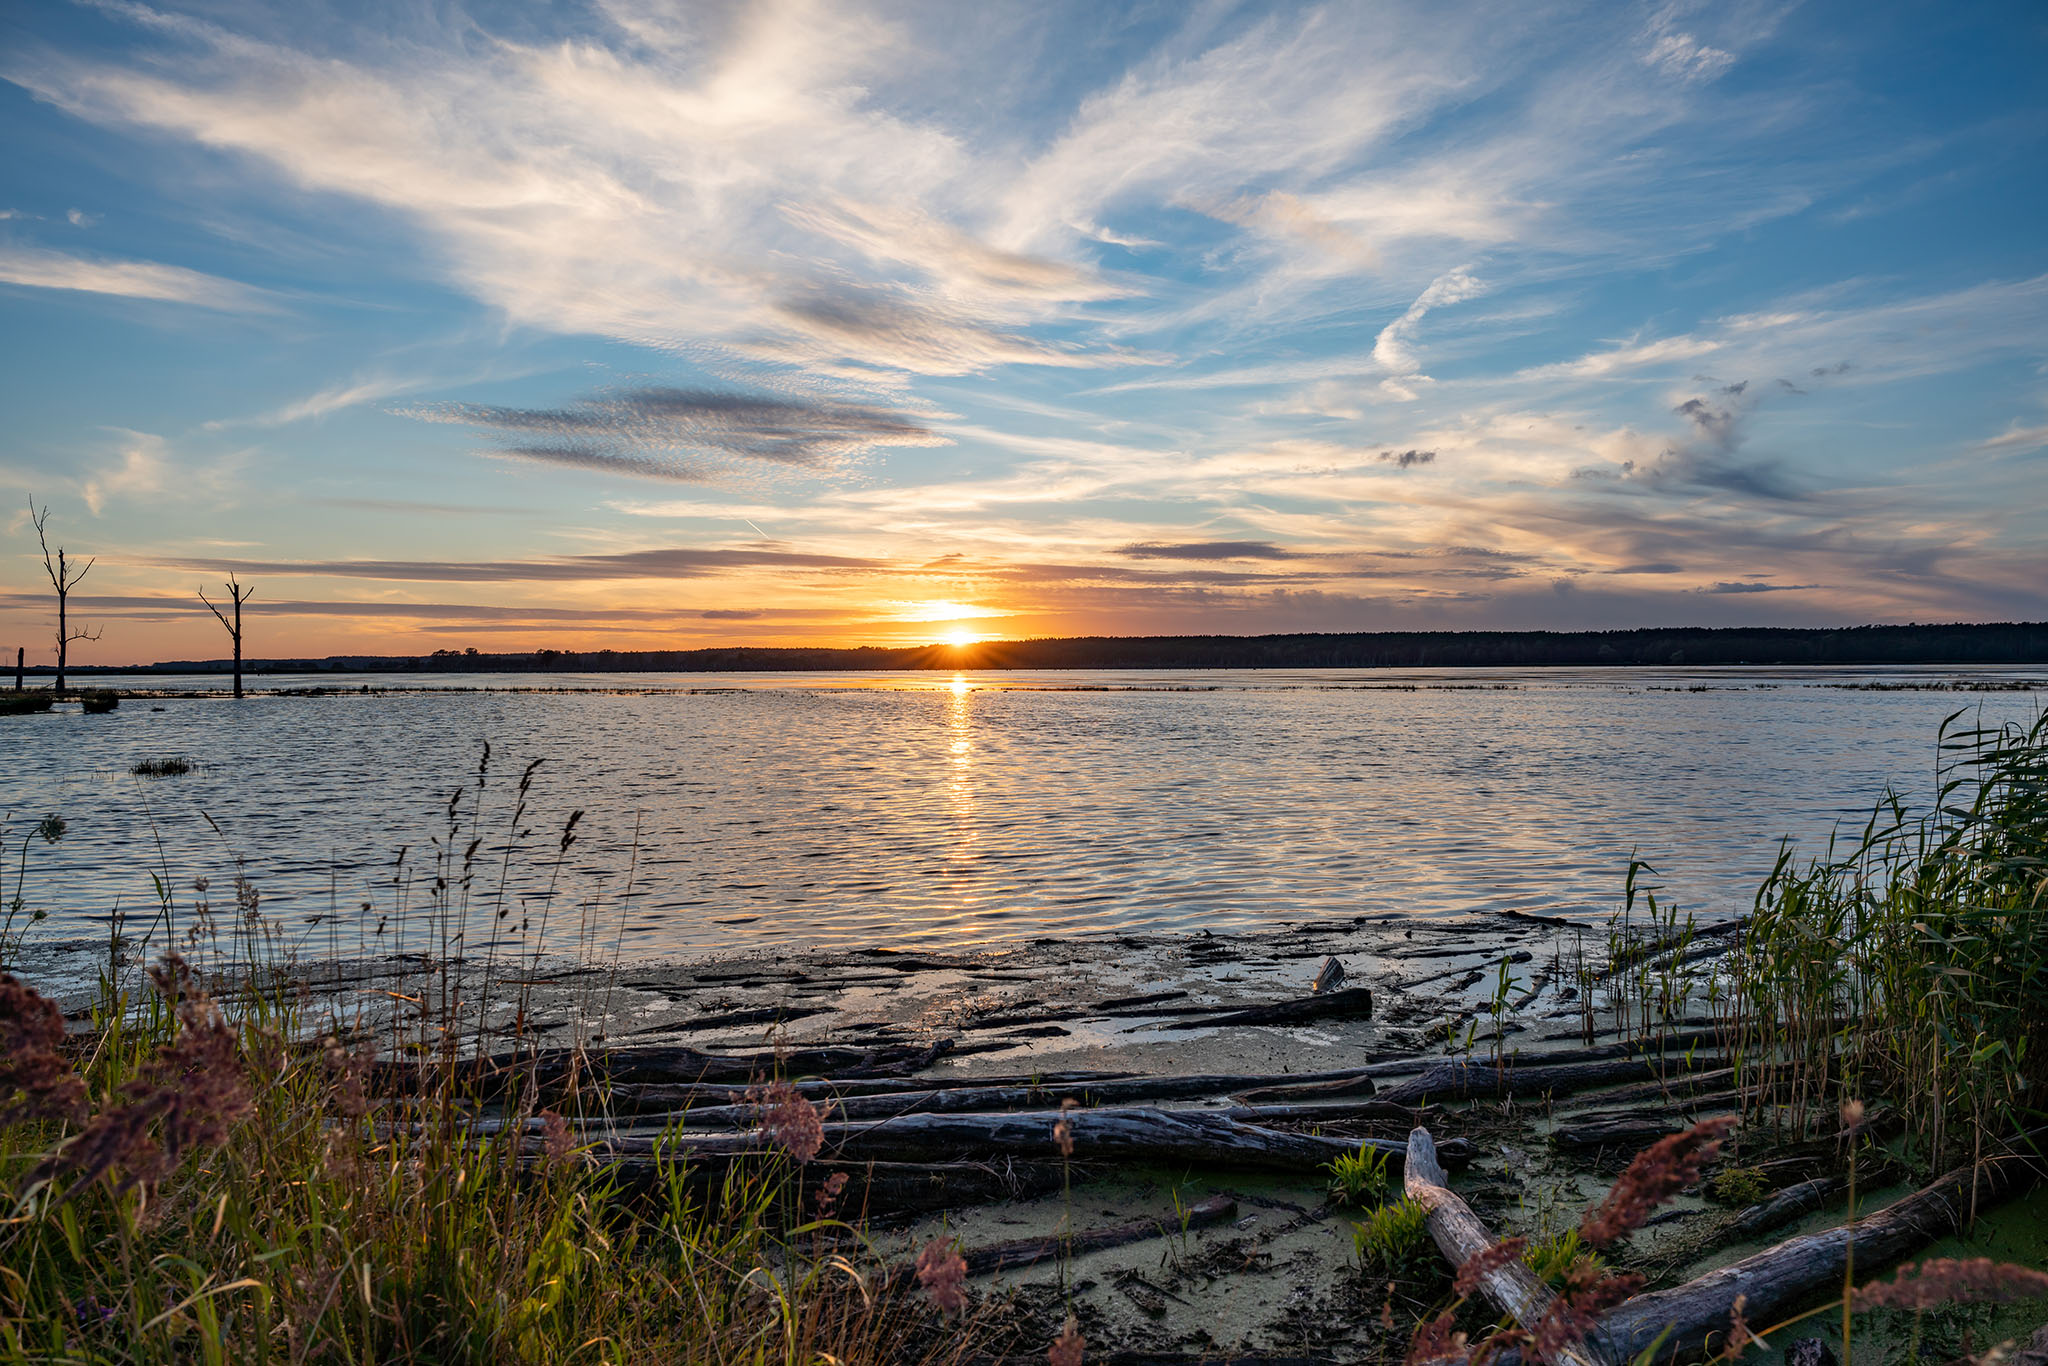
[[231, 1166], [1910, 969]]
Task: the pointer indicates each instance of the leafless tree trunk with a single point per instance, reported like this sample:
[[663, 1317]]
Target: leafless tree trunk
[[240, 595], [64, 576]]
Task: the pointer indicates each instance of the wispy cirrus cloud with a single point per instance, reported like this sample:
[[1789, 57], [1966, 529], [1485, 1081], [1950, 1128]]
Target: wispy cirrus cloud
[[680, 562], [41, 268], [689, 435]]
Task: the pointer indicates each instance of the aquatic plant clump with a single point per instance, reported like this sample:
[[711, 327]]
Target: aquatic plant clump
[[1911, 967]]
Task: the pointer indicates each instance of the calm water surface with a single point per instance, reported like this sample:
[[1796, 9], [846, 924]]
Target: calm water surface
[[723, 810]]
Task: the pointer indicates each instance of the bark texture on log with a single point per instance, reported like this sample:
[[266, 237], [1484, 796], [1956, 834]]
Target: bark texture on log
[[1793, 1202], [1466, 1079], [1352, 1003], [732, 1108], [1140, 1135], [1780, 1280], [1023, 1252], [873, 1189], [1513, 1288]]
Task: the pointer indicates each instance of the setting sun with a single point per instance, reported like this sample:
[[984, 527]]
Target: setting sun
[[960, 636]]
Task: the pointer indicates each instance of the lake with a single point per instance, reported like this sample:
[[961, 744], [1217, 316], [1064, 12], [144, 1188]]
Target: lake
[[734, 811]]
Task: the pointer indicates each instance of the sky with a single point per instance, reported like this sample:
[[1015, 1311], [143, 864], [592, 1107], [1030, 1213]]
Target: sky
[[635, 325]]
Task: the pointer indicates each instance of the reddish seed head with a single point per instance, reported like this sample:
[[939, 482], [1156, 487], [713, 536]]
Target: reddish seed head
[[942, 1271], [1435, 1343], [1068, 1346], [829, 1193], [1947, 1281], [792, 1121], [1485, 1262], [556, 1139], [1658, 1173], [35, 1081]]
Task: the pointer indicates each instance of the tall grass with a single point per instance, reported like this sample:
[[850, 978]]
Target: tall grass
[[1911, 969], [225, 1164], [195, 1187]]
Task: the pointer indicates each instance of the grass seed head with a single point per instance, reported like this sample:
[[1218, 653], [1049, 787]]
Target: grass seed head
[[36, 1083], [1658, 1173], [942, 1271], [1944, 1280]]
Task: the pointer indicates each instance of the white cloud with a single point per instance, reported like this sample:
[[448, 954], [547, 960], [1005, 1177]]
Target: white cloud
[[142, 469], [43, 269], [1620, 359], [1392, 347]]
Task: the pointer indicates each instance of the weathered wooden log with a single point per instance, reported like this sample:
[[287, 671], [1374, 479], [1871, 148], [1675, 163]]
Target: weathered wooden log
[[1140, 1135], [1512, 1287], [1686, 1321], [2035, 1352], [646, 1063], [1465, 1079], [1325, 1111], [872, 1190], [738, 1110], [644, 1098], [1023, 1252], [1794, 1202], [1351, 1003], [1337, 1088], [1664, 1088], [1633, 1132]]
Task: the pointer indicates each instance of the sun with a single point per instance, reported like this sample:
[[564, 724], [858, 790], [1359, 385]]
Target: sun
[[960, 637]]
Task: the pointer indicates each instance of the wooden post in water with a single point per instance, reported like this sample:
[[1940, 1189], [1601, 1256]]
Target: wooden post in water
[[20, 655]]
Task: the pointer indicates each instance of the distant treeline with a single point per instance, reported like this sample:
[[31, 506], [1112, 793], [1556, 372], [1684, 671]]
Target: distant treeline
[[2002, 643]]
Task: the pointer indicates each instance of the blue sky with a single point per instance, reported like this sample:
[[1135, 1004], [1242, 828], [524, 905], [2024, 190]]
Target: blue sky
[[640, 325]]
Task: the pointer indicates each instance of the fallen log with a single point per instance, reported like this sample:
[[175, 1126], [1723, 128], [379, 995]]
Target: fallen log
[[1337, 1088], [733, 1108], [1466, 1079], [1023, 1252], [642, 1098], [1633, 1132], [1351, 1003], [1140, 1135], [1685, 1322], [872, 1189], [1512, 1287], [1794, 1202], [647, 1063], [2035, 1353]]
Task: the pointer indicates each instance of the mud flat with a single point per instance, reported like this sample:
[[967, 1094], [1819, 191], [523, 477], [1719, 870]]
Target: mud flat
[[1206, 1090]]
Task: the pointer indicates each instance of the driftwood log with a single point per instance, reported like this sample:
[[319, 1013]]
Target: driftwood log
[[1351, 1003], [873, 1189], [1795, 1201], [1467, 1078], [1137, 1135], [1023, 1252], [1512, 1287], [731, 1107], [1686, 1321]]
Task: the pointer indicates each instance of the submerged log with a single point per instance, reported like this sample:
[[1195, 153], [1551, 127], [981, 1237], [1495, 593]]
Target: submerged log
[[1023, 1252], [1794, 1202], [1686, 1322], [1512, 1287], [1467, 1079], [1350, 1003], [1137, 1135]]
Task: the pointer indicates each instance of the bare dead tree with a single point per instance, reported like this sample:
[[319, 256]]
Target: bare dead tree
[[240, 595], [64, 576]]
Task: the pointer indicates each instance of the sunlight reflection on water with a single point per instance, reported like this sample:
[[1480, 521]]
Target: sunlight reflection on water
[[954, 809]]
